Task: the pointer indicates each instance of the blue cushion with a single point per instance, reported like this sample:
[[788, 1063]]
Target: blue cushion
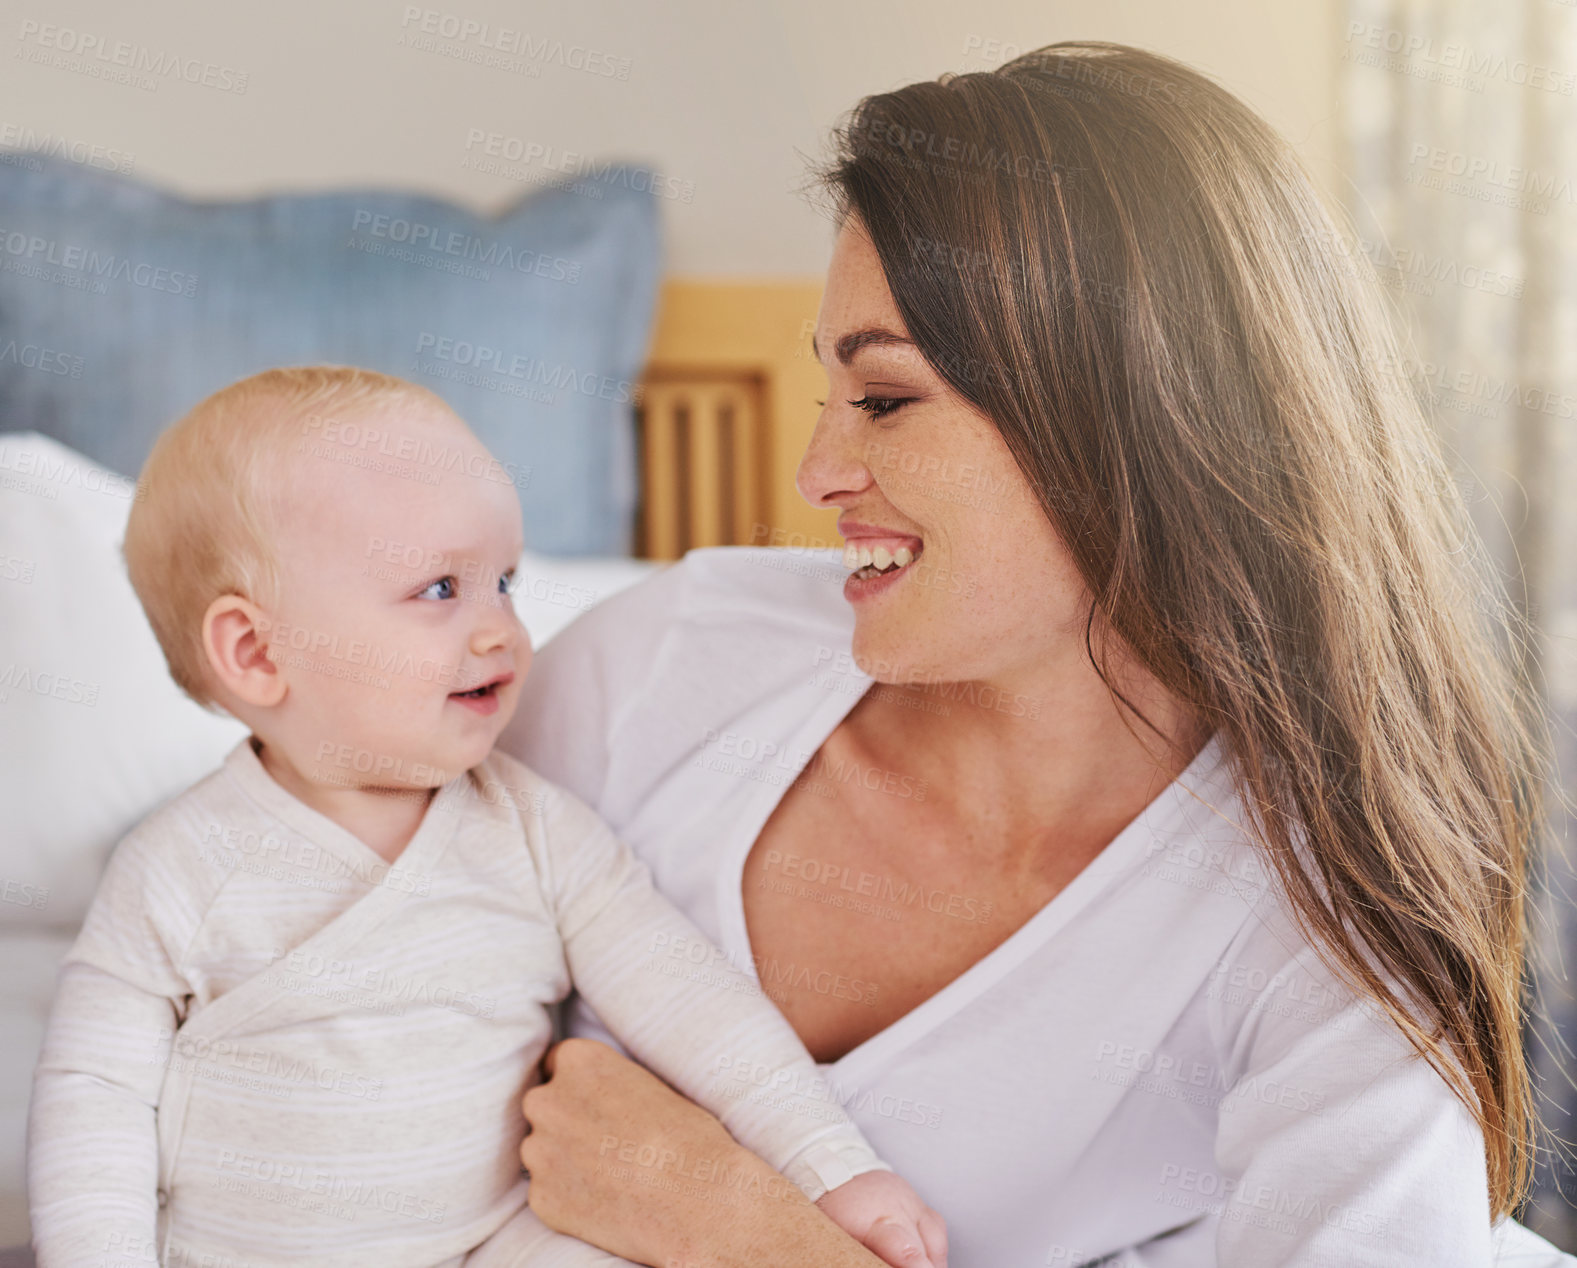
[[122, 306]]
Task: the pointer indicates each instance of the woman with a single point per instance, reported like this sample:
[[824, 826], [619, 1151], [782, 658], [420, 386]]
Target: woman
[[1142, 851]]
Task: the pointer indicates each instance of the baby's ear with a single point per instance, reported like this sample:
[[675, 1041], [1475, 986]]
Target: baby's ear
[[235, 642]]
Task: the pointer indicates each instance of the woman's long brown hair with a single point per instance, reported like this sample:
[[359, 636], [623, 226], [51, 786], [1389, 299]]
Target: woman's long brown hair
[[1132, 275]]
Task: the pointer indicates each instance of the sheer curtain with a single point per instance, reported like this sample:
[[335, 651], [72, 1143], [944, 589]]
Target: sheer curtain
[[1459, 120]]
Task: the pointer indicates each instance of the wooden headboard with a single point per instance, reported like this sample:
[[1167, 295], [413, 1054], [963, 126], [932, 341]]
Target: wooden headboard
[[726, 406]]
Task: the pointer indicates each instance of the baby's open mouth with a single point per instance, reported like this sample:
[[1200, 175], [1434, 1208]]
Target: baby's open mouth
[[488, 688]]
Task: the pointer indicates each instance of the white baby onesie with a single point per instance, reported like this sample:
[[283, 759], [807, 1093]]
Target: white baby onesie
[[269, 1046]]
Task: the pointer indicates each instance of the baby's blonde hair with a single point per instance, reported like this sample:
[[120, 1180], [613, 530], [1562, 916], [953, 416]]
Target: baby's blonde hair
[[210, 499]]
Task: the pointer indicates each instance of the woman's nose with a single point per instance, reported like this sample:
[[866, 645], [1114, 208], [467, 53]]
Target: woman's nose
[[832, 467]]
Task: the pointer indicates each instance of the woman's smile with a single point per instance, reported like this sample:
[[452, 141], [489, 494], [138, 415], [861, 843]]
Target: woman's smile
[[876, 557]]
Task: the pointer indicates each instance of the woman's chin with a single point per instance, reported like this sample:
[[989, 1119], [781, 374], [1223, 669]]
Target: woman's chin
[[884, 658]]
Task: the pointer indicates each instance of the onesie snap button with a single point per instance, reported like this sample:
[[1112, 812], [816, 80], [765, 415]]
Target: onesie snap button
[[164, 1198]]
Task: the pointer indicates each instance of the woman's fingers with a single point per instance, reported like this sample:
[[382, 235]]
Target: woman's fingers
[[546, 1066], [536, 1106], [595, 1123], [541, 1095]]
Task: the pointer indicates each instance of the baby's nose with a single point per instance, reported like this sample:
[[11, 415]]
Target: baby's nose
[[499, 629]]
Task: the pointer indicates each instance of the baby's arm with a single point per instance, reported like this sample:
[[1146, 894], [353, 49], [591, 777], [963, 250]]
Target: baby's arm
[[92, 1153], [701, 1023]]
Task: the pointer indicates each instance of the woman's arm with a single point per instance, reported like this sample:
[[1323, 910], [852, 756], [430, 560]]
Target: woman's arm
[[620, 1159], [1336, 1142]]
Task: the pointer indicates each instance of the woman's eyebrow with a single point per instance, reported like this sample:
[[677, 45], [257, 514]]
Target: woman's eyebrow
[[873, 336]]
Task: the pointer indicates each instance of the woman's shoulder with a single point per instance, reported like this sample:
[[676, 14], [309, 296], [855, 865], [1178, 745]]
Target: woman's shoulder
[[698, 641], [775, 590], [766, 583]]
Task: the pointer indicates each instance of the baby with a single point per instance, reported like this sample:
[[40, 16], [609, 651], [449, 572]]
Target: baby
[[311, 989]]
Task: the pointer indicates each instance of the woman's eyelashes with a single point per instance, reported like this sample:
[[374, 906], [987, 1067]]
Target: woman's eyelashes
[[878, 406]]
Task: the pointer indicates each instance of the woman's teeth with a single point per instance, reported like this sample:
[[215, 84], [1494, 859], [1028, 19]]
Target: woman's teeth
[[863, 559]]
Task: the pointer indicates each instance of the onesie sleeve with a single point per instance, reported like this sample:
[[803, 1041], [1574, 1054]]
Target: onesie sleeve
[[1336, 1143], [92, 1155], [681, 1008], [578, 688]]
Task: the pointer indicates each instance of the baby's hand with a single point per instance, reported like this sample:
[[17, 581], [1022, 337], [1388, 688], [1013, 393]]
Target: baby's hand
[[889, 1219]]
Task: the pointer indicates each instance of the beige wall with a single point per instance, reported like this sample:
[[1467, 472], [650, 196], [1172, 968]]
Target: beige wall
[[717, 94]]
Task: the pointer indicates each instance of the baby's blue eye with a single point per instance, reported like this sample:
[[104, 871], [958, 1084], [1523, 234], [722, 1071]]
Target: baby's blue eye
[[506, 583], [448, 583]]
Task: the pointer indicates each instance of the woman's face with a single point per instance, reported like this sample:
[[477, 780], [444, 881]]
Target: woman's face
[[989, 592]]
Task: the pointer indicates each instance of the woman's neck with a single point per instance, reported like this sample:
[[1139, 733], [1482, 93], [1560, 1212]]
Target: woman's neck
[[1064, 767]]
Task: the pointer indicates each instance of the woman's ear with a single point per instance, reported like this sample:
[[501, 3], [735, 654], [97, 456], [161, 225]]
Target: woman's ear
[[237, 650]]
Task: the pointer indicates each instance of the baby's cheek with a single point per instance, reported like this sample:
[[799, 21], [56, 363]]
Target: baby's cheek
[[384, 714]]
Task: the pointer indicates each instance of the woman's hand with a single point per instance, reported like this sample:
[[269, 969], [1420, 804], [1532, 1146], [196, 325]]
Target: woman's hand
[[621, 1160], [606, 1138]]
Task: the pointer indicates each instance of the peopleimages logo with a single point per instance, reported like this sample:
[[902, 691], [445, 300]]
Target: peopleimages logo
[[31, 251], [511, 42], [32, 356], [53, 145], [1449, 55], [465, 246], [1489, 172], [494, 152], [550, 375], [123, 60]]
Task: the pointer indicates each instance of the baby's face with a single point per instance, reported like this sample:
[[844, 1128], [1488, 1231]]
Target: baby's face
[[394, 632]]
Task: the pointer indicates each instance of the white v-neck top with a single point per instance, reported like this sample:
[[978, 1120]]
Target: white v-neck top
[[1156, 1066]]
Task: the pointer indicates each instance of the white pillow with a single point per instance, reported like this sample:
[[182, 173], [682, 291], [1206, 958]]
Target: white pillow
[[94, 734]]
